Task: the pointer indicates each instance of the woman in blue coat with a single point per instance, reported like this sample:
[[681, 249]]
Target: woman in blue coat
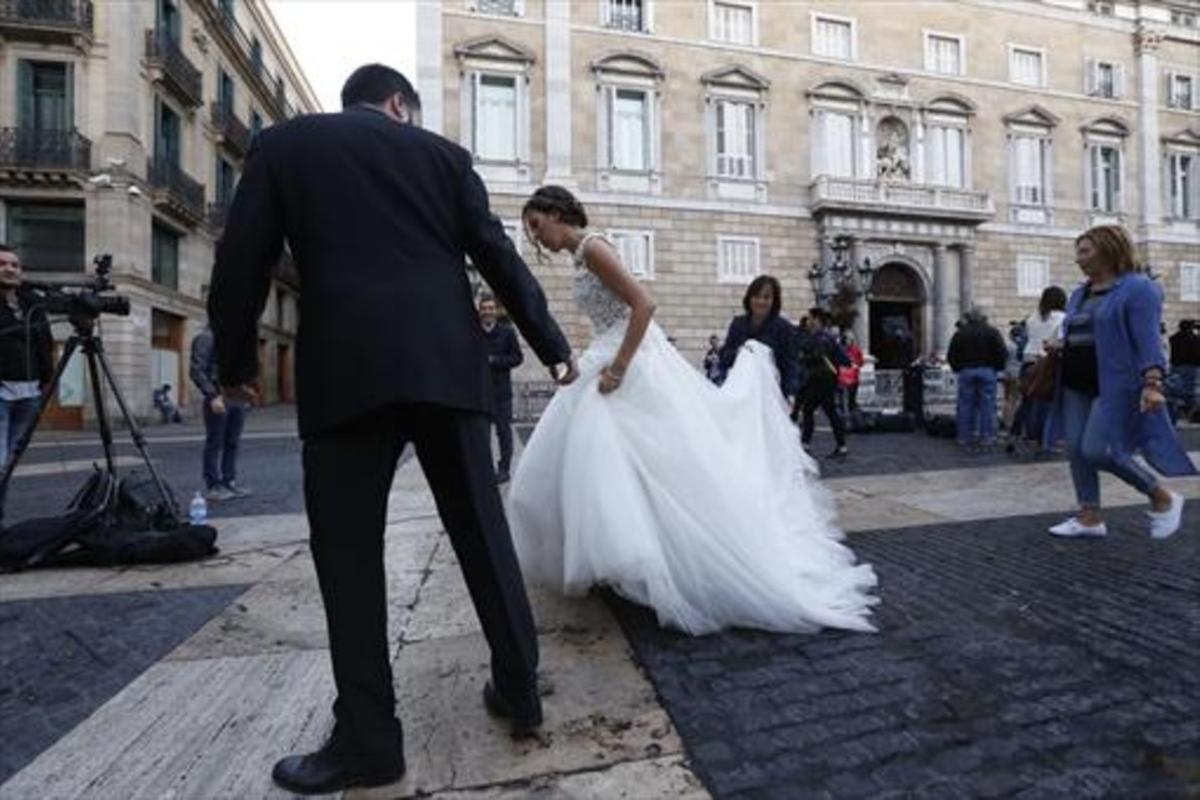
[[762, 322], [1110, 403]]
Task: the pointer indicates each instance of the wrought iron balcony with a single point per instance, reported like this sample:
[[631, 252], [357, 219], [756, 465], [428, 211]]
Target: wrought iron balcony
[[170, 67], [241, 48], [231, 131], [48, 21], [29, 152], [175, 191], [900, 197]]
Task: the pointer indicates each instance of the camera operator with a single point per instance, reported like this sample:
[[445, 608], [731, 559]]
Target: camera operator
[[26, 357]]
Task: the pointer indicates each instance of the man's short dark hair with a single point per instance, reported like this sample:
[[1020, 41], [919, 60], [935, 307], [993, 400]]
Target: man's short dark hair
[[7, 248], [374, 84]]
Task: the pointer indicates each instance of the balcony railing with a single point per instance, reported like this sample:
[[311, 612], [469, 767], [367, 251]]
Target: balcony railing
[[239, 44], [232, 131], [44, 150], [46, 20], [176, 71], [176, 191], [946, 201]]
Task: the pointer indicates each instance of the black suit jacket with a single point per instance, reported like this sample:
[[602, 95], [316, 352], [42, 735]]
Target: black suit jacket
[[379, 217], [504, 355]]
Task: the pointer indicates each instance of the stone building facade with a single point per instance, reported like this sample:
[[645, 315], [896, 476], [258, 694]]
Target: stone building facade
[[123, 126], [959, 145]]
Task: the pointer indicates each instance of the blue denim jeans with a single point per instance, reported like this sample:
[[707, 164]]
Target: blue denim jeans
[[222, 433], [1087, 427], [16, 417], [976, 415]]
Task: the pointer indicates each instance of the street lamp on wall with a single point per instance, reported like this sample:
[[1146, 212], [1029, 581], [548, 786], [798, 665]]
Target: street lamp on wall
[[840, 276]]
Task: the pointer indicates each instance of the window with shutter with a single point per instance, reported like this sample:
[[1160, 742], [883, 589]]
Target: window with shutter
[[733, 22], [737, 258], [1189, 282], [1181, 179], [833, 37], [629, 130], [1026, 66], [636, 249], [1033, 275], [943, 54], [1029, 155], [495, 117], [736, 142]]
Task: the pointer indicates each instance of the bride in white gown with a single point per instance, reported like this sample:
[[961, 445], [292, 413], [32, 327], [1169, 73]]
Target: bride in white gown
[[694, 500]]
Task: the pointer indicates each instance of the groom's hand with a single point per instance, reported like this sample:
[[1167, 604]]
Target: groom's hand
[[569, 372]]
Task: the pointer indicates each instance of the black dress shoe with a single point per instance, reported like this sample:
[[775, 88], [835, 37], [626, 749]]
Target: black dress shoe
[[525, 720], [331, 769]]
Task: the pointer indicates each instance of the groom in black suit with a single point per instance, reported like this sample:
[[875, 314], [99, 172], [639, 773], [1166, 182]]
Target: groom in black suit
[[379, 216]]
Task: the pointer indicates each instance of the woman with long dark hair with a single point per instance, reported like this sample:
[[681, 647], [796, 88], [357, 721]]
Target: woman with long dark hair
[[1042, 326], [1110, 402], [693, 499]]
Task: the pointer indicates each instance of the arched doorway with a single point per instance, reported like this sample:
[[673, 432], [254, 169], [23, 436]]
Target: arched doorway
[[896, 322]]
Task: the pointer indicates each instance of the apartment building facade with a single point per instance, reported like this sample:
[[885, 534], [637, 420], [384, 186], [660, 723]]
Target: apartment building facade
[[123, 128], [958, 145]]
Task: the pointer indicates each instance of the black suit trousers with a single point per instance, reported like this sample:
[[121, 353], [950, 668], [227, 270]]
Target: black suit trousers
[[348, 473]]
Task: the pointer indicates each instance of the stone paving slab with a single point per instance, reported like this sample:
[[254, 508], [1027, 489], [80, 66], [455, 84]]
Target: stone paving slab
[[1008, 663], [631, 780], [63, 658]]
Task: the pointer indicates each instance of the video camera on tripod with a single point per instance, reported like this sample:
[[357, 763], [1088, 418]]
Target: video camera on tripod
[[83, 300], [93, 521]]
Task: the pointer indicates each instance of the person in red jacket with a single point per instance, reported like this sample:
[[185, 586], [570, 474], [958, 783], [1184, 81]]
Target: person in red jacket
[[848, 376]]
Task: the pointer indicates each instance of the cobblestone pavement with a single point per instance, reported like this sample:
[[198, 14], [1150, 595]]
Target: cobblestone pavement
[[64, 657], [1008, 664]]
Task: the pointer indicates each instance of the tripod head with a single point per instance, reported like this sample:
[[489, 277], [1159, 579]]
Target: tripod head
[[82, 302]]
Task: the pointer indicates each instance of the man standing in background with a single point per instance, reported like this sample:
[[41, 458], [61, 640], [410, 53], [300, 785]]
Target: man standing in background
[[504, 355], [223, 423]]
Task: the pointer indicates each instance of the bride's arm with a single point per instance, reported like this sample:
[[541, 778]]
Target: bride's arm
[[602, 260]]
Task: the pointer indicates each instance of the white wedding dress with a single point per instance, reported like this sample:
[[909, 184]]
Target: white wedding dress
[[694, 500]]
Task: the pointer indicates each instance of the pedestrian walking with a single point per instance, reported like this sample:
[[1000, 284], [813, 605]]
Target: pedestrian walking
[[1110, 403], [712, 360], [1185, 366], [822, 357], [223, 422], [977, 353], [848, 376], [504, 355], [167, 410], [1042, 326]]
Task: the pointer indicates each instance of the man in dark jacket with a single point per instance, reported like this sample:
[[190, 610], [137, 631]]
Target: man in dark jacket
[[820, 357], [380, 217], [26, 358], [223, 422], [977, 353], [504, 355]]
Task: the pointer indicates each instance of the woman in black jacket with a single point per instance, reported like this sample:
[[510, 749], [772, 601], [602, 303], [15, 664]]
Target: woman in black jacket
[[762, 322]]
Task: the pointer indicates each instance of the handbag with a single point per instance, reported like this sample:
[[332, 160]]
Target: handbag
[[1041, 380]]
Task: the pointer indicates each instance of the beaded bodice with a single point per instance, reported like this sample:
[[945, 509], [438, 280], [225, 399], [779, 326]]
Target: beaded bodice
[[602, 307]]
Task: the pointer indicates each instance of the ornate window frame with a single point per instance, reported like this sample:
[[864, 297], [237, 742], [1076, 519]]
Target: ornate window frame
[[634, 71], [1100, 133], [945, 111], [496, 56], [1183, 143], [1034, 122], [736, 84], [841, 96]]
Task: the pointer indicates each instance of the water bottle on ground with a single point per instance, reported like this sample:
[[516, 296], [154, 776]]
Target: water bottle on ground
[[198, 512]]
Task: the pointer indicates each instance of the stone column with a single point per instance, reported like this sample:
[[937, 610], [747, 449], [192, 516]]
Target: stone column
[[862, 317], [1148, 41], [558, 92], [942, 320], [429, 65], [966, 269]]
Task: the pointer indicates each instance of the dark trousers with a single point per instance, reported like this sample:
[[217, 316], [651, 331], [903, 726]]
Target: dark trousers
[[503, 423], [222, 433], [347, 475], [820, 392]]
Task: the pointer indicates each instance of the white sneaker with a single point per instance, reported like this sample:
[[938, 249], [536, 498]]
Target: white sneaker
[[1165, 523], [1074, 528]]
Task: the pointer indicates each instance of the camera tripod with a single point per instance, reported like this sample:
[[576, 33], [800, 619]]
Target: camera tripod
[[86, 341]]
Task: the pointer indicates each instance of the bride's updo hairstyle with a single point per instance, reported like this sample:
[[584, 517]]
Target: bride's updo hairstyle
[[556, 202]]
